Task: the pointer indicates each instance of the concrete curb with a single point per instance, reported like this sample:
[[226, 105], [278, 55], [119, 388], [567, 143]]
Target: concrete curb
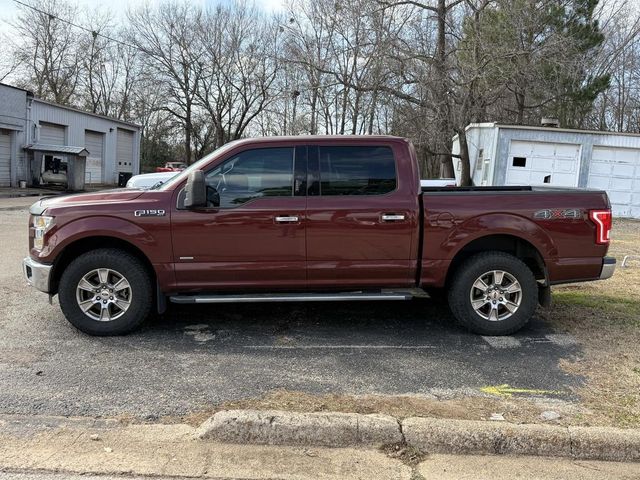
[[431, 435], [272, 427], [478, 437]]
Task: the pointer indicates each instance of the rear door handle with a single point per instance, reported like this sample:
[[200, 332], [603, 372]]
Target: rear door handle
[[392, 217], [287, 219]]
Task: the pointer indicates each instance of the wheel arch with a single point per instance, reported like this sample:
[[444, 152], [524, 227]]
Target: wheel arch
[[502, 242], [87, 244]]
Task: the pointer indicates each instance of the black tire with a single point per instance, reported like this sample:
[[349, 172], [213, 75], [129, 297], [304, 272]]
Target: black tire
[[461, 289], [136, 275]]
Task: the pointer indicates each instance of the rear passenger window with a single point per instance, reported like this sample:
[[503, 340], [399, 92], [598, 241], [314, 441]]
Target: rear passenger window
[[356, 171]]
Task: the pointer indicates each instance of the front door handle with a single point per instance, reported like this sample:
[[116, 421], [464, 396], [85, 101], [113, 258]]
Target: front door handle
[[287, 219], [392, 217]]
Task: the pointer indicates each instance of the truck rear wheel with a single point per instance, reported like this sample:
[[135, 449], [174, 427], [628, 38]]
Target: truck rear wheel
[[106, 292], [493, 293]]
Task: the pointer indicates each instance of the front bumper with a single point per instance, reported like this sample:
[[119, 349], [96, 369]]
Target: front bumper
[[608, 267], [37, 274]]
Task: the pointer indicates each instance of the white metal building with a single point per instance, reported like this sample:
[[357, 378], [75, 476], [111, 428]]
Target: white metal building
[[13, 115], [526, 155], [28, 125]]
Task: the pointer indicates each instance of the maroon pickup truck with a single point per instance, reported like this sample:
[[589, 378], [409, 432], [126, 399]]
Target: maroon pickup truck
[[314, 219]]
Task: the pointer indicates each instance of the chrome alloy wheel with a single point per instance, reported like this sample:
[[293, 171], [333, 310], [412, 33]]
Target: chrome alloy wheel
[[496, 295], [103, 294]]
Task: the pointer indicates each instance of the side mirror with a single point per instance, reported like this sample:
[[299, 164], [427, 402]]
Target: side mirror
[[195, 190]]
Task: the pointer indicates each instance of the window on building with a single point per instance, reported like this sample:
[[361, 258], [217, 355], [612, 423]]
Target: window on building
[[479, 161], [519, 162], [485, 174]]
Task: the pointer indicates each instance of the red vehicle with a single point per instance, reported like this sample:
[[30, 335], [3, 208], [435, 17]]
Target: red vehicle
[[314, 219], [172, 167]]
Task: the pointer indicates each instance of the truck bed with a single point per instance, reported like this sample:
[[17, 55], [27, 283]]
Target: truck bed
[[549, 220], [508, 188]]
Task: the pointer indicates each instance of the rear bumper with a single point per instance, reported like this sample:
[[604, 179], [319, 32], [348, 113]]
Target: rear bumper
[[608, 267], [37, 274]]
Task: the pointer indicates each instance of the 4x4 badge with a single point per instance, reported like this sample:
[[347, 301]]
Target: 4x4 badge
[[556, 214]]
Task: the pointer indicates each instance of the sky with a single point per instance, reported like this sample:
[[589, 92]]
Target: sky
[[9, 9]]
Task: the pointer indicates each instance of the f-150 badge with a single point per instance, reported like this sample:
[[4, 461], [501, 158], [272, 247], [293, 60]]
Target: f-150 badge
[[557, 214], [149, 213]]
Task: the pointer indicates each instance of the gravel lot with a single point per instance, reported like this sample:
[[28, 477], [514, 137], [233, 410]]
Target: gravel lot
[[193, 358]]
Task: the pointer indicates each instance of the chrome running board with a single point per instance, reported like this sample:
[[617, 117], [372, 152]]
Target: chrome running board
[[293, 297]]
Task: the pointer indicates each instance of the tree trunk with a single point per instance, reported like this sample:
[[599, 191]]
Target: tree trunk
[[313, 127], [442, 91], [187, 134], [465, 166]]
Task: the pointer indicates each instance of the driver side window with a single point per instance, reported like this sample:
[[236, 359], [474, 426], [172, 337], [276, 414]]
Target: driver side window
[[262, 172]]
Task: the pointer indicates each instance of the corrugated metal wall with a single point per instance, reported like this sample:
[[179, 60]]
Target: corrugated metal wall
[[5, 158], [13, 119], [77, 123]]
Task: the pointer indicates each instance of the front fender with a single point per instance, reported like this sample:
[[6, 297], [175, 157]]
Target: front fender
[[96, 226]]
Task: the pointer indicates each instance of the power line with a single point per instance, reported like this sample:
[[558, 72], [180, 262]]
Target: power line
[[92, 32]]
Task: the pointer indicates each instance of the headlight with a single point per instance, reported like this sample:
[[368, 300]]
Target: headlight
[[41, 225]]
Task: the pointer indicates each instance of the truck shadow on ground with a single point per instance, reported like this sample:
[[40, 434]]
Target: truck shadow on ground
[[364, 321], [418, 319]]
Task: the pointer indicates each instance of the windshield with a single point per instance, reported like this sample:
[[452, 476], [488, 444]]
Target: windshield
[[168, 184]]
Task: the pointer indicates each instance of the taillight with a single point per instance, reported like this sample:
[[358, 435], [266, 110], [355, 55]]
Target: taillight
[[602, 219]]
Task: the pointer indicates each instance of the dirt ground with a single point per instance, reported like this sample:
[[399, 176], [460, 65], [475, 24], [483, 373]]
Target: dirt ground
[[471, 407]]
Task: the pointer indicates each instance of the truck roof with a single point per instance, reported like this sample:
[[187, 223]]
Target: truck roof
[[320, 138]]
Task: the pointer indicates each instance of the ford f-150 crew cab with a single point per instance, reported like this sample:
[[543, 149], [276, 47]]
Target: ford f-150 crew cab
[[314, 219]]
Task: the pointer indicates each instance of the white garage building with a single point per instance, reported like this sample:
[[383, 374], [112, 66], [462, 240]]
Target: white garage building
[[526, 155], [34, 133]]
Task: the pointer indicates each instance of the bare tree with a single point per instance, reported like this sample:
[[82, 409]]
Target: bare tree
[[170, 40], [47, 49], [619, 107], [111, 69], [196, 78], [8, 62], [239, 68]]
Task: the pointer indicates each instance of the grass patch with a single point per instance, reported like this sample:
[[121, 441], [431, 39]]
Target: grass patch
[[619, 310], [605, 318]]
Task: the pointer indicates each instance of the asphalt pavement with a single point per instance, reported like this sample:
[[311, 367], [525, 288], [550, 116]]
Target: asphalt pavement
[[196, 356]]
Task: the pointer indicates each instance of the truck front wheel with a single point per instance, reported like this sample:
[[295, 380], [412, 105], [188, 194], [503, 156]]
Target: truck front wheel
[[106, 292], [493, 293]]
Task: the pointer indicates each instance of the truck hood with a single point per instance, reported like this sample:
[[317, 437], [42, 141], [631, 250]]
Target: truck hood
[[105, 196]]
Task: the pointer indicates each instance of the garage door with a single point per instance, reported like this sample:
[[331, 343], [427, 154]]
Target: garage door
[[617, 170], [52, 134], [124, 151], [540, 163], [94, 142], [5, 158]]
